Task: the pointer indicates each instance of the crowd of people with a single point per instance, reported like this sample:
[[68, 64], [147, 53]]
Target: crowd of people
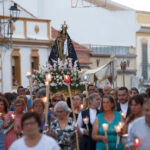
[[105, 119]]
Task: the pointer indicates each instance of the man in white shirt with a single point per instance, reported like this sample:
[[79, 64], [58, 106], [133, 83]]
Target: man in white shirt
[[86, 142], [140, 128], [32, 138], [122, 104]]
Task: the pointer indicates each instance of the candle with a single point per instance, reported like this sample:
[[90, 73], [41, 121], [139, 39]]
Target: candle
[[118, 129], [46, 83], [67, 79], [85, 78], [105, 127], [123, 115], [136, 142], [13, 116], [44, 100], [86, 121], [1, 115], [121, 124], [28, 75], [81, 106], [49, 77]]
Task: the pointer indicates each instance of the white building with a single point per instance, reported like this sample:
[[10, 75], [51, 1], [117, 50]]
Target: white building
[[113, 25], [30, 48]]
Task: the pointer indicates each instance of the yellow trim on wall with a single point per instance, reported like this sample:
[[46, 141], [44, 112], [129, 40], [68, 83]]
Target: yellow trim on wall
[[142, 34], [143, 18]]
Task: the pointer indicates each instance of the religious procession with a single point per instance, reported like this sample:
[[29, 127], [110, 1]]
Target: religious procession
[[63, 103]]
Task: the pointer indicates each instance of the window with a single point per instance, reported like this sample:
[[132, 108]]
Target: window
[[34, 60], [97, 62], [15, 68], [144, 61]]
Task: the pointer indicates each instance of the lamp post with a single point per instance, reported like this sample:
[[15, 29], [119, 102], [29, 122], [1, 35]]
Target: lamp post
[[123, 66], [14, 13]]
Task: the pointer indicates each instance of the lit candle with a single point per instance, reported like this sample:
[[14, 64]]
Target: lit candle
[[81, 106], [85, 78], [46, 83], [1, 114], [121, 124], [28, 75], [123, 115], [49, 77], [13, 116], [136, 142], [105, 127], [118, 129], [44, 100], [86, 121], [67, 79]]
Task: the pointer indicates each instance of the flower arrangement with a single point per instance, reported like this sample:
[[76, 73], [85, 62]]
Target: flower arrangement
[[58, 70]]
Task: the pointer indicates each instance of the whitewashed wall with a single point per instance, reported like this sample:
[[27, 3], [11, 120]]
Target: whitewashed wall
[[25, 53], [93, 25]]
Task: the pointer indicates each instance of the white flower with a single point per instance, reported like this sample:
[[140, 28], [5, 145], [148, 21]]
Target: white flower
[[53, 84], [41, 84], [77, 85]]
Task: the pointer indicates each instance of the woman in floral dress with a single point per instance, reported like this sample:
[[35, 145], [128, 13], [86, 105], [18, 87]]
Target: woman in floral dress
[[63, 128]]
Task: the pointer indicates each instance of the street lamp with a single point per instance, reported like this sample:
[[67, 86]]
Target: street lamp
[[14, 13], [123, 66]]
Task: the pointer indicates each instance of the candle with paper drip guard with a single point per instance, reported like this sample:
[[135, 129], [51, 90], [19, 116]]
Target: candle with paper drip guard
[[136, 143], [105, 127], [67, 79], [86, 121], [1, 114], [29, 76], [118, 130]]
